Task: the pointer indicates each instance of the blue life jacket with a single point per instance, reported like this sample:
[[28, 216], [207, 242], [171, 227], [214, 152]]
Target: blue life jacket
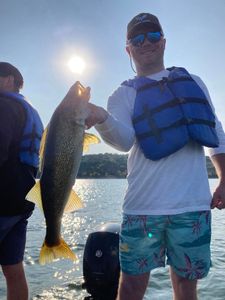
[[170, 112], [32, 132]]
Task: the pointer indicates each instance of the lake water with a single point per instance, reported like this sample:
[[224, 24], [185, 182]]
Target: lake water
[[102, 199]]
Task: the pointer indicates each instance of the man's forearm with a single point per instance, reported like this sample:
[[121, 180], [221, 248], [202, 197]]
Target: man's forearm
[[218, 161]]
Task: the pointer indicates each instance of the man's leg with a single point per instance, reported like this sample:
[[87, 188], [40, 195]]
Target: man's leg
[[188, 251], [132, 287], [142, 249], [184, 289], [16, 282], [11, 257]]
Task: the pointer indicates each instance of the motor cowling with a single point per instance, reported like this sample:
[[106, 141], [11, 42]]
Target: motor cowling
[[101, 268]]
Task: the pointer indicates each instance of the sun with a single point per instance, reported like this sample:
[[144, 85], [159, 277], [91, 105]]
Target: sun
[[76, 64]]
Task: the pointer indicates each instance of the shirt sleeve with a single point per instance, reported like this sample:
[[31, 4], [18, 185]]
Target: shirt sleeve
[[218, 127], [117, 130], [6, 131]]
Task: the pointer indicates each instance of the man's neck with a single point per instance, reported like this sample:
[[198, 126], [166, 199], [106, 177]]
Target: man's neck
[[149, 70]]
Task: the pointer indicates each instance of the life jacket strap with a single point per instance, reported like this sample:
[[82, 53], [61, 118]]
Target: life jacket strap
[[161, 83], [156, 132], [176, 101]]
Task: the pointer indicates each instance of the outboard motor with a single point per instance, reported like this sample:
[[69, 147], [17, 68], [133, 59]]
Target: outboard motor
[[101, 269]]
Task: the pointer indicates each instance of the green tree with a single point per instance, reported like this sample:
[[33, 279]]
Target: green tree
[[110, 165]]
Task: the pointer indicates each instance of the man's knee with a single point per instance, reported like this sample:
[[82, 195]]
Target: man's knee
[[181, 281], [13, 272], [184, 289]]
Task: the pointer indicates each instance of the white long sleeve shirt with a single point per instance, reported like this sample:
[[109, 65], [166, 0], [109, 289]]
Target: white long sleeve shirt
[[175, 184]]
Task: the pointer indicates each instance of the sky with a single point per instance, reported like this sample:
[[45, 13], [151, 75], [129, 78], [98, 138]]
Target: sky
[[39, 37]]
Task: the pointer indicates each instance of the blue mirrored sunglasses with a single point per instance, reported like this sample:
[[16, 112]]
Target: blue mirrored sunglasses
[[138, 40]]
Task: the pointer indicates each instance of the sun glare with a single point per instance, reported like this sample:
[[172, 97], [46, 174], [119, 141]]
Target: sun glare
[[76, 65]]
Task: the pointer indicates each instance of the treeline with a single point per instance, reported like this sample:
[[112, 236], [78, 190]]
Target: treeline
[[210, 168], [103, 166], [114, 166]]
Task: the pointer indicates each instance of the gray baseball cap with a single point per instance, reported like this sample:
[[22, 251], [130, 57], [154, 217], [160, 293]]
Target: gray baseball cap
[[143, 20]]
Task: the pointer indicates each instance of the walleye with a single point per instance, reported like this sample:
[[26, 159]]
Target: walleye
[[60, 154]]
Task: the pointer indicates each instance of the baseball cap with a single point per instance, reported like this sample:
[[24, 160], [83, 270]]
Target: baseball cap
[[6, 69], [143, 20]]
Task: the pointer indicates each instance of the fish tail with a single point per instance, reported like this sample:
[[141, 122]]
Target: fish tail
[[48, 254]]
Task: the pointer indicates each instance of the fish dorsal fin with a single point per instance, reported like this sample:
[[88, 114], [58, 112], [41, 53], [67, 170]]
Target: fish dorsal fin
[[73, 202], [90, 138], [34, 195]]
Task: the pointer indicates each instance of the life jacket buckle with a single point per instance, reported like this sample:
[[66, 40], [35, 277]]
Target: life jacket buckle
[[162, 84], [181, 100], [189, 121]]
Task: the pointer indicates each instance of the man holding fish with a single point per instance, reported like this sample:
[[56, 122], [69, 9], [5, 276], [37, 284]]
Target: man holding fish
[[163, 117], [60, 148]]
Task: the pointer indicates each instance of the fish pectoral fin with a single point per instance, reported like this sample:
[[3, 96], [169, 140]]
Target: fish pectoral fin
[[34, 195], [90, 138], [73, 203], [49, 254]]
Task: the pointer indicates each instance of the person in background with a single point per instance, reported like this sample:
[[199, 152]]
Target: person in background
[[20, 134]]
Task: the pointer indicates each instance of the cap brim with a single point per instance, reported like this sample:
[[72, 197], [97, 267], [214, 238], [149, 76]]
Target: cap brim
[[143, 26]]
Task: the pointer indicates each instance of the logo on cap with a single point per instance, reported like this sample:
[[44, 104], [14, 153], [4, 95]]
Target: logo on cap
[[141, 18]]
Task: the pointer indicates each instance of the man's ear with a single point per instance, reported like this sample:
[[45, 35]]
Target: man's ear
[[128, 50], [10, 80], [10, 83], [7, 83]]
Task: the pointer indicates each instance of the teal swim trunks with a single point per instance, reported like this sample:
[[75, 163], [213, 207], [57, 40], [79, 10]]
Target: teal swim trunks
[[182, 241]]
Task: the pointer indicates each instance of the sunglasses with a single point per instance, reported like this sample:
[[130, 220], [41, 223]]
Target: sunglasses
[[138, 40]]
